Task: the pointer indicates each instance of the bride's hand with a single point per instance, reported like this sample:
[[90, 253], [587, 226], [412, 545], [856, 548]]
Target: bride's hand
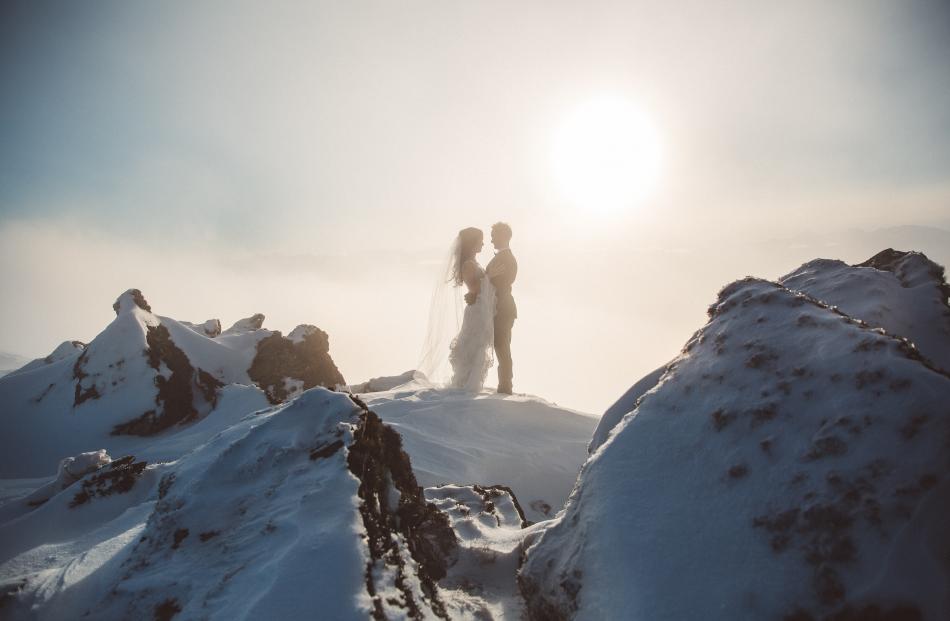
[[470, 297]]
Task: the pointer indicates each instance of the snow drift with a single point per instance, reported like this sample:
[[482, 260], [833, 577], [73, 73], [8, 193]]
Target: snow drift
[[791, 463]]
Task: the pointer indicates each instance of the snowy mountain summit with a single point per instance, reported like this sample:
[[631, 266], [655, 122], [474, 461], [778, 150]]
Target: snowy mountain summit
[[145, 374], [792, 463]]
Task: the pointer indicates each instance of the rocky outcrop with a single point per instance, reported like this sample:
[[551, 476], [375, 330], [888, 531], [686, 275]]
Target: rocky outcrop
[[210, 328], [131, 297], [284, 367], [248, 324], [376, 458], [179, 396]]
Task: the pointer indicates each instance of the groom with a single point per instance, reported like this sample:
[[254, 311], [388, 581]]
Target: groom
[[502, 270]]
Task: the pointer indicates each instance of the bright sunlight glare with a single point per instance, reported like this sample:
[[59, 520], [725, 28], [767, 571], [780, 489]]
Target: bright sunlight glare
[[606, 155]]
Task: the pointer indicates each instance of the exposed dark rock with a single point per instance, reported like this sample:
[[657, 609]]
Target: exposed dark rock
[[721, 419], [738, 471], [180, 535], [489, 492], [166, 610], [82, 394], [118, 477], [377, 459], [177, 394], [308, 360], [137, 298], [165, 485]]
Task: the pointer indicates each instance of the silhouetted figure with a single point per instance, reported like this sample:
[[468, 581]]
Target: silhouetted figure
[[502, 271], [470, 351]]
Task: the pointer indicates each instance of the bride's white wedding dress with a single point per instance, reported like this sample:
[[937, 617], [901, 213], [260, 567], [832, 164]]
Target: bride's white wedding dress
[[471, 350]]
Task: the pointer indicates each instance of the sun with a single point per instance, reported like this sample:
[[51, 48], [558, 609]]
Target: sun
[[606, 155]]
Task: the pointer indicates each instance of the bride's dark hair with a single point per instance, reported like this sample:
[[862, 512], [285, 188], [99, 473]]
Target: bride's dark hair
[[465, 244]]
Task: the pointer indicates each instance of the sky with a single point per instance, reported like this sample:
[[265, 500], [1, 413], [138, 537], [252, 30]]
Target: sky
[[313, 162]]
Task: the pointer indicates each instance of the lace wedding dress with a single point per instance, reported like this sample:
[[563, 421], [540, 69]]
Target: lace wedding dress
[[471, 350]]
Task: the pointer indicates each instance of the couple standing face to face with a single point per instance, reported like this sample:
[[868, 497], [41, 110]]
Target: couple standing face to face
[[501, 273]]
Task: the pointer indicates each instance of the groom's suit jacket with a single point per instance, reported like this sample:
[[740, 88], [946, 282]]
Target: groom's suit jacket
[[505, 302]]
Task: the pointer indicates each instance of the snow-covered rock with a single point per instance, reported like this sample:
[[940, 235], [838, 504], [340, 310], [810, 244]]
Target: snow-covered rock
[[282, 367], [210, 328], [248, 324], [143, 375], [624, 405], [387, 382], [309, 508], [792, 463], [903, 292], [492, 530]]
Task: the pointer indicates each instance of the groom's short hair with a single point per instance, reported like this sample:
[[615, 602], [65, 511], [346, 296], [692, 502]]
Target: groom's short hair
[[502, 230]]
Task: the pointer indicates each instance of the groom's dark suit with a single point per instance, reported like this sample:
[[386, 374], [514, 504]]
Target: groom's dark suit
[[505, 314]]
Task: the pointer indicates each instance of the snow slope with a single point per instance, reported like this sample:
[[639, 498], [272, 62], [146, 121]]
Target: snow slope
[[792, 463], [245, 502], [305, 509], [523, 442]]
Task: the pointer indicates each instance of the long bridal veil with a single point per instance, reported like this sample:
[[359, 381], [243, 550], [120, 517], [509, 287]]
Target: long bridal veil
[[445, 319]]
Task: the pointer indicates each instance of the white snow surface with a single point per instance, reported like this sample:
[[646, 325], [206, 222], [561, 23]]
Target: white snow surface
[[623, 406], [790, 460], [533, 447], [243, 480], [228, 530], [907, 301]]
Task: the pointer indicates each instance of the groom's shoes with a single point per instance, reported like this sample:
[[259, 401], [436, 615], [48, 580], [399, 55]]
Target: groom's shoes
[[504, 389]]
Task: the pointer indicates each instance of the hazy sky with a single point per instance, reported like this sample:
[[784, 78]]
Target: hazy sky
[[312, 161]]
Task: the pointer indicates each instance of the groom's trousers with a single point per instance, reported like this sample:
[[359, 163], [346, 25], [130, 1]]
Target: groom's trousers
[[503, 324]]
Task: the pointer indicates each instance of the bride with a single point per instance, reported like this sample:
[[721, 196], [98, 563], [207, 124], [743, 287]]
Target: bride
[[467, 344], [471, 350]]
